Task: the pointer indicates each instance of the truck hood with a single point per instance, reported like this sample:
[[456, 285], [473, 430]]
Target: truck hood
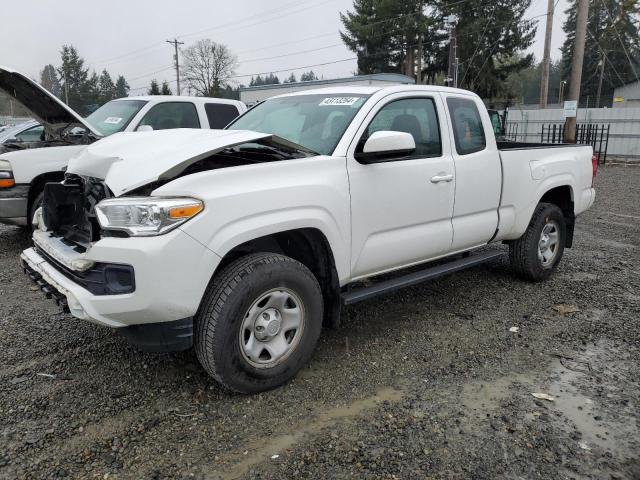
[[44, 106], [126, 161]]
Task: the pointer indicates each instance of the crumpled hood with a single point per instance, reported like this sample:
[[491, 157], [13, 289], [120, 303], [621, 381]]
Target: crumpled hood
[[126, 161], [43, 105]]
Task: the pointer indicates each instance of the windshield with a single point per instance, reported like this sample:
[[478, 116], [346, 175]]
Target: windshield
[[316, 122], [114, 116]]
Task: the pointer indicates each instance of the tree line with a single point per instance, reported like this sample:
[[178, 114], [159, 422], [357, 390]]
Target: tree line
[[493, 36], [82, 91]]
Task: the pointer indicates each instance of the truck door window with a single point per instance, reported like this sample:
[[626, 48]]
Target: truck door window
[[33, 134], [170, 115], [220, 114], [416, 116], [468, 131]]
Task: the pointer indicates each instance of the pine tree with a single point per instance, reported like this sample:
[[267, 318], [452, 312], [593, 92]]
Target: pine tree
[[613, 40], [165, 90], [291, 78], [49, 80], [385, 33], [74, 77], [154, 89], [492, 37], [122, 87], [308, 76], [106, 87], [91, 94]]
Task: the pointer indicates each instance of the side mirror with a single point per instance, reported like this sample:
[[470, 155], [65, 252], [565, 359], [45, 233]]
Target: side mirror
[[383, 145], [144, 128]]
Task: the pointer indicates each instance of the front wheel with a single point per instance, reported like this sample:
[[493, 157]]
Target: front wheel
[[259, 322], [536, 254]]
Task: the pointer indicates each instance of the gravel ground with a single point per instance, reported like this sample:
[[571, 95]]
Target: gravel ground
[[426, 383]]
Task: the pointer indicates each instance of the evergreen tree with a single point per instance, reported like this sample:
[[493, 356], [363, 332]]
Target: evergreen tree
[[74, 78], [122, 87], [92, 95], [258, 81], [271, 79], [154, 89], [385, 33], [49, 80], [291, 78], [165, 90], [613, 40], [308, 76], [492, 37], [106, 87]]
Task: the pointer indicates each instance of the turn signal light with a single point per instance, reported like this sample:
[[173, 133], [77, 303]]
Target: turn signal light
[[7, 182], [185, 211]]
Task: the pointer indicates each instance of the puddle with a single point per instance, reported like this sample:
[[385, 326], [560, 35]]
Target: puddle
[[485, 396], [265, 448], [601, 422]]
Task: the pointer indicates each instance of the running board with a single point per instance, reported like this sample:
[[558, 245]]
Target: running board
[[429, 273]]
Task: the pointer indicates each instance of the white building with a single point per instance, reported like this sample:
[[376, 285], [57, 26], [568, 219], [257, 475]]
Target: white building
[[627, 95], [252, 95]]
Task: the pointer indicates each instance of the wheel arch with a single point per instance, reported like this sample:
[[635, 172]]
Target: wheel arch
[[563, 197], [310, 247]]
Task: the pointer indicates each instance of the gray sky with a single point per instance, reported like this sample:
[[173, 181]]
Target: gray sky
[[129, 37]]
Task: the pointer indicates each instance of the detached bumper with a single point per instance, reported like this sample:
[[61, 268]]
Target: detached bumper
[[171, 274], [14, 204]]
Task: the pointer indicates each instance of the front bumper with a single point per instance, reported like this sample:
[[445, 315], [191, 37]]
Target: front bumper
[[14, 203], [172, 272]]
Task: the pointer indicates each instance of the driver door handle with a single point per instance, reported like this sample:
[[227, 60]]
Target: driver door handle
[[442, 178]]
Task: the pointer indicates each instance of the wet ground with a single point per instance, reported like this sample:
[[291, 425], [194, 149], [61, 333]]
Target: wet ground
[[436, 381]]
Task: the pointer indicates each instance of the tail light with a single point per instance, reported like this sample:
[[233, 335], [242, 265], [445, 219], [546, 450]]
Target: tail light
[[594, 166]]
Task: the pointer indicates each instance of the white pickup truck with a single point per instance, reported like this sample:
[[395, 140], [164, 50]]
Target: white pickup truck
[[25, 167], [244, 242]]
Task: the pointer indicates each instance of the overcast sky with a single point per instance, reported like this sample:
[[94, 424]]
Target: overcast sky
[[128, 37]]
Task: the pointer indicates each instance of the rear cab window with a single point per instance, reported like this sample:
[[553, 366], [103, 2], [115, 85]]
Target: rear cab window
[[220, 114], [468, 131]]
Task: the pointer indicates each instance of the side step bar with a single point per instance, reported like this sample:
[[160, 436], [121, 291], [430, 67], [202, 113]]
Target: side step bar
[[429, 273]]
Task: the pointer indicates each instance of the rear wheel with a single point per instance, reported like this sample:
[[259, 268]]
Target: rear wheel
[[259, 322], [536, 254]]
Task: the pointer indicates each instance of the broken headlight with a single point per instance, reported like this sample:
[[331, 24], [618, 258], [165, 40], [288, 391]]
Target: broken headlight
[[146, 216]]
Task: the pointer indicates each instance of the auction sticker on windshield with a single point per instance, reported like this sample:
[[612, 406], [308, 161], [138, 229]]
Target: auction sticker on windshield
[[113, 120], [347, 101]]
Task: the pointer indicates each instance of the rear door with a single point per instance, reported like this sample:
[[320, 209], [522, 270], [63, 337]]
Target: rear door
[[477, 169], [401, 209]]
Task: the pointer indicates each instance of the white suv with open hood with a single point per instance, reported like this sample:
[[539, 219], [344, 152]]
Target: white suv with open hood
[[243, 242], [24, 170]]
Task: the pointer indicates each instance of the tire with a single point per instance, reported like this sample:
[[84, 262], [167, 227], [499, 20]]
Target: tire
[[37, 202], [227, 325], [525, 253]]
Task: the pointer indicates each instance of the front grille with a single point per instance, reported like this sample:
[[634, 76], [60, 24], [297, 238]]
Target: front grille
[[69, 209]]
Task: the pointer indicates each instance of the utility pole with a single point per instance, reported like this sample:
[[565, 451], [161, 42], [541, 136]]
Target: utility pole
[[601, 65], [66, 89], [561, 92], [420, 50], [576, 67], [452, 80], [175, 43], [546, 59]]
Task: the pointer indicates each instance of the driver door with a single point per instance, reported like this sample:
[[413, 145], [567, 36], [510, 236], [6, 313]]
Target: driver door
[[401, 208]]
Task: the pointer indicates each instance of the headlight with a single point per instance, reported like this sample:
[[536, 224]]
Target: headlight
[[6, 175], [146, 216]]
